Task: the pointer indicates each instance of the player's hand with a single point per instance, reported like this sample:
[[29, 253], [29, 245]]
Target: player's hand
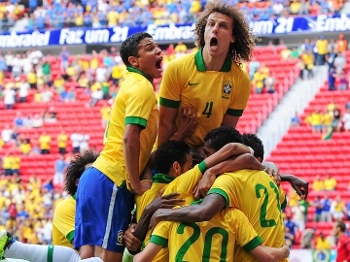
[[301, 186], [155, 220], [146, 184], [204, 185], [130, 241], [274, 174], [188, 122], [286, 249], [168, 201]]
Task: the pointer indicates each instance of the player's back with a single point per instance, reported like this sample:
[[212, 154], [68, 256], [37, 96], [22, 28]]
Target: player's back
[[257, 196], [211, 241]]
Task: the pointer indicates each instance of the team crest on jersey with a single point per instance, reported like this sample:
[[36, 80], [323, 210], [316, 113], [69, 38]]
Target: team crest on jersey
[[227, 89], [120, 238]]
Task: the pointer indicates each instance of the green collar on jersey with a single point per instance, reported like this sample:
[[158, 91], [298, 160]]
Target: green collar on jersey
[[198, 58], [74, 196], [134, 70], [162, 178]]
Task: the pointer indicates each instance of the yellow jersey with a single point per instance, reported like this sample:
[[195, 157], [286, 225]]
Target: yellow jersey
[[105, 111], [25, 148], [62, 140], [63, 223], [330, 184], [16, 162], [7, 162], [212, 93], [135, 104], [255, 193], [44, 141], [212, 240], [318, 185]]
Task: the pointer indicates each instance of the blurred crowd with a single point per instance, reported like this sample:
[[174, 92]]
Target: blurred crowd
[[103, 13]]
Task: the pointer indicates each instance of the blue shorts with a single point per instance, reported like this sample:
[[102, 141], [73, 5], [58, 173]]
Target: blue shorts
[[103, 212]]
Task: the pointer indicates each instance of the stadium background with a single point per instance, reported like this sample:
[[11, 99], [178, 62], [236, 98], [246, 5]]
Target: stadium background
[[69, 104]]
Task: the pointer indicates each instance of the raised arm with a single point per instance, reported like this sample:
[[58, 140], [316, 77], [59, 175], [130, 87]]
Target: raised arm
[[270, 254], [167, 116], [204, 211], [244, 161]]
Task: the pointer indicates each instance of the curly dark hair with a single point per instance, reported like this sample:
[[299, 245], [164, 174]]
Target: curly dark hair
[[221, 136], [254, 142], [242, 48], [76, 169]]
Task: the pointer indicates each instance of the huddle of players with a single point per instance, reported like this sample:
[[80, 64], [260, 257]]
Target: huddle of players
[[202, 96]]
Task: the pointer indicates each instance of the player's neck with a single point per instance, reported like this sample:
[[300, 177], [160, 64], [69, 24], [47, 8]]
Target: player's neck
[[213, 63]]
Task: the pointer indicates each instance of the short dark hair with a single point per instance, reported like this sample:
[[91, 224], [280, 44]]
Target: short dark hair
[[342, 226], [129, 46], [170, 152], [76, 168], [221, 136], [254, 142]]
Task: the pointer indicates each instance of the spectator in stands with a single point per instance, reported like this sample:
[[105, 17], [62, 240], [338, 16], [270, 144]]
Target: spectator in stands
[[9, 97], [318, 209], [340, 63], [46, 94], [308, 63], [338, 209], [337, 120], [60, 168], [270, 84], [62, 139], [341, 44], [343, 81], [330, 183], [23, 91], [299, 216], [331, 79], [258, 80], [180, 49], [25, 147], [84, 144], [45, 140], [6, 134], [19, 120], [327, 119], [289, 237], [32, 79], [76, 139], [315, 121], [288, 223], [307, 238], [50, 115], [7, 164], [16, 164], [326, 204], [321, 45], [64, 59], [322, 243], [96, 95], [295, 121], [37, 121]]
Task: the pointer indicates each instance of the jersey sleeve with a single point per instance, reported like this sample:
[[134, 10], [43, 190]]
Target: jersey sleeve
[[170, 89], [160, 235], [139, 106], [247, 237], [224, 186], [240, 98], [64, 219], [187, 181]]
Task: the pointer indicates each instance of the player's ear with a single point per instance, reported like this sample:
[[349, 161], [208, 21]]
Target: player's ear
[[177, 168], [133, 61]]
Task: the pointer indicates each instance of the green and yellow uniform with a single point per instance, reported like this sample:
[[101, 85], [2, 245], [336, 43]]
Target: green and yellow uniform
[[212, 240], [63, 223], [257, 196], [135, 104], [214, 94]]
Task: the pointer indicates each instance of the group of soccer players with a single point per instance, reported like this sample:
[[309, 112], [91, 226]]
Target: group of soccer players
[[152, 156]]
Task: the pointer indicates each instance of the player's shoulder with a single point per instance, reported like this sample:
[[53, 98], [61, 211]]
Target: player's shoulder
[[238, 71], [181, 62], [68, 202]]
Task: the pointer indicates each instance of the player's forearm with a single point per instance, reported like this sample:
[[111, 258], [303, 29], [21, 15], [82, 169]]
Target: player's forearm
[[286, 178], [245, 161], [165, 132], [229, 150], [131, 155], [270, 254], [186, 214], [142, 226]]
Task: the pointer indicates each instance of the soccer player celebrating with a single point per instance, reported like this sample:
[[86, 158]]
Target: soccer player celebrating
[[253, 192], [105, 193], [211, 80]]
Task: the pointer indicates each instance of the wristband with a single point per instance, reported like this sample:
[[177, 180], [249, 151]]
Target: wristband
[[251, 150]]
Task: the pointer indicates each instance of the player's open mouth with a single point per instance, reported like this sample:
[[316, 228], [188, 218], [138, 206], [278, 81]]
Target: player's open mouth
[[213, 43], [159, 64]]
